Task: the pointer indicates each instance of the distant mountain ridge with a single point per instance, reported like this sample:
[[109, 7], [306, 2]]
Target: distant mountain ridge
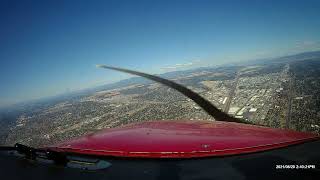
[[174, 74], [289, 58]]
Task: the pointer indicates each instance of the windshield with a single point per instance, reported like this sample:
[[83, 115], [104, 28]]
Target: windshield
[[255, 61]]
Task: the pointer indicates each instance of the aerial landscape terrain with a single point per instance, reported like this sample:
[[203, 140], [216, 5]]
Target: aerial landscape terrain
[[281, 93]]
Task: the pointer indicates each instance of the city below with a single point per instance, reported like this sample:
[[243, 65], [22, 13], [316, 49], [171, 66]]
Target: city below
[[280, 93]]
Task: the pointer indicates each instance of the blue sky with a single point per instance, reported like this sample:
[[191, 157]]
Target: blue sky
[[51, 47]]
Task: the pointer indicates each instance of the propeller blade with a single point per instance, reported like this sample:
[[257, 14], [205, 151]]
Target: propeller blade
[[202, 102]]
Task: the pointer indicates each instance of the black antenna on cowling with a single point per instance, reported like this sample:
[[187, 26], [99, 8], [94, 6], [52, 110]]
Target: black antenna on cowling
[[202, 102]]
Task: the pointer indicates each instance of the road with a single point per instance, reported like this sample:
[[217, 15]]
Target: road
[[288, 118]]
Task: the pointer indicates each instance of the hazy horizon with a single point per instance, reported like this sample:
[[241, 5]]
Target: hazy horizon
[[179, 68]]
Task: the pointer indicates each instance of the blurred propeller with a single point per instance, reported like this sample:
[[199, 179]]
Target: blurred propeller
[[203, 103]]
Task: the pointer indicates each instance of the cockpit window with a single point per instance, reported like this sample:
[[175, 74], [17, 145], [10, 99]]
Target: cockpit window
[[256, 63]]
